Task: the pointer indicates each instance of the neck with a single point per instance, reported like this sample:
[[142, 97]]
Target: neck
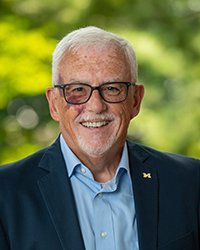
[[103, 167]]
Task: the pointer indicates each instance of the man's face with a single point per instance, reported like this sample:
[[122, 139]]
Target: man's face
[[95, 127]]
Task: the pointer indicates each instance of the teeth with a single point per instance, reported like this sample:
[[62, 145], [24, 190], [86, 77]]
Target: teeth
[[94, 124]]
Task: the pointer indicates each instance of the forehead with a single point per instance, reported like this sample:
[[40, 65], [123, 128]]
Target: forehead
[[96, 62]]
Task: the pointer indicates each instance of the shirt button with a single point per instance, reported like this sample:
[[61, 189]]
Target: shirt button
[[100, 195], [83, 171], [104, 234]]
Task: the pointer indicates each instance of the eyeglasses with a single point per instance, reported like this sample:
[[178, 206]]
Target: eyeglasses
[[79, 93]]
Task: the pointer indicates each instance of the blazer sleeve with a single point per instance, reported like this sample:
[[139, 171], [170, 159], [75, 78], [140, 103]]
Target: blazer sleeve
[[3, 240]]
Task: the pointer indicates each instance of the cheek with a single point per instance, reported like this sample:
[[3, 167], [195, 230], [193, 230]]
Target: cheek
[[69, 113], [123, 117], [77, 108], [71, 110], [127, 112]]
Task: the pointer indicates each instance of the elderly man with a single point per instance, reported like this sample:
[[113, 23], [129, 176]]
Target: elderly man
[[92, 189]]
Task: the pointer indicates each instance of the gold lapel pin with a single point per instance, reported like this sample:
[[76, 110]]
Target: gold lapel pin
[[146, 175]]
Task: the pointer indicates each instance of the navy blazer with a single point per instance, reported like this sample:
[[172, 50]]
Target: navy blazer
[[38, 210]]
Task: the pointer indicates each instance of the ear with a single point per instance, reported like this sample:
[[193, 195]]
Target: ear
[[53, 102], [137, 99]]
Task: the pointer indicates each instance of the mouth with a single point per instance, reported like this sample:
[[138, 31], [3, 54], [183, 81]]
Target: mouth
[[94, 124], [96, 121]]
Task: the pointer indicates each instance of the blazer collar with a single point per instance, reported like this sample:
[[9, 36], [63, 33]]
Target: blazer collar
[[145, 188], [58, 196]]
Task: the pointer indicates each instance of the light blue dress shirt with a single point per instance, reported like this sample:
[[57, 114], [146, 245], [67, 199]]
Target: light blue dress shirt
[[106, 211]]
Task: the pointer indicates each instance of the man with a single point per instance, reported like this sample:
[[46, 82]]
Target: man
[[93, 189]]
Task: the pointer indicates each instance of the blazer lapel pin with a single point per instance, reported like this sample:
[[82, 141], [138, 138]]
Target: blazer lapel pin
[[146, 175]]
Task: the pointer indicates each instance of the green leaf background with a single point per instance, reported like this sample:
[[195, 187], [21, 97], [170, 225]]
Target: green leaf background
[[165, 35]]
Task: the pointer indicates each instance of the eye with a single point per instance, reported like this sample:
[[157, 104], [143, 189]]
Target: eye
[[111, 89], [74, 89], [78, 89]]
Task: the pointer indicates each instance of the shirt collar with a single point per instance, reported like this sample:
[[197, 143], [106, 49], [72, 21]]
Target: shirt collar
[[72, 161], [70, 158]]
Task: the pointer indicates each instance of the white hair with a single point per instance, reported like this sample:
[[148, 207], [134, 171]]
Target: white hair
[[88, 37]]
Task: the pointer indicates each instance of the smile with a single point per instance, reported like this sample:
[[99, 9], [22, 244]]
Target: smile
[[97, 124]]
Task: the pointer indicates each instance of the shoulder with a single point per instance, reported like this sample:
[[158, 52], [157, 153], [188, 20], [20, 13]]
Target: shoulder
[[177, 170], [20, 173], [29, 165], [19, 176], [31, 160], [162, 159]]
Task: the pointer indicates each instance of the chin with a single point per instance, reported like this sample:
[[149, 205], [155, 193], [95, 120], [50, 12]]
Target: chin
[[96, 149]]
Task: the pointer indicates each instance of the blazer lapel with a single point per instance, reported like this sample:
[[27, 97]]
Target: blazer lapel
[[58, 196], [145, 187]]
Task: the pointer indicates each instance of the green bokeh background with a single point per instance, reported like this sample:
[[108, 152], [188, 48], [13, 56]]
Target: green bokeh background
[[165, 35]]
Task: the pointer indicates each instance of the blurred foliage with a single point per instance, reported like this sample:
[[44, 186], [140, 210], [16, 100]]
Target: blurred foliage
[[166, 36]]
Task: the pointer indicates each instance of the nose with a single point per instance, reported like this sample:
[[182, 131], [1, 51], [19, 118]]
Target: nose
[[96, 103]]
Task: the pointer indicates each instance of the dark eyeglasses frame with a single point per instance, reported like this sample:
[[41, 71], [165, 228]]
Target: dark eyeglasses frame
[[63, 86]]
